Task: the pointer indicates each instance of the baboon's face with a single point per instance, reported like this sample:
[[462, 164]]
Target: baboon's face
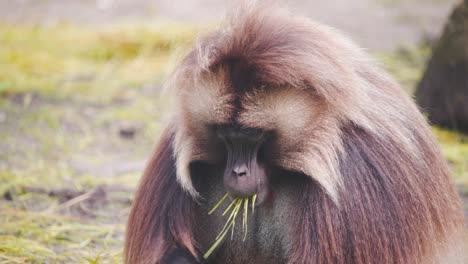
[[244, 173], [250, 133]]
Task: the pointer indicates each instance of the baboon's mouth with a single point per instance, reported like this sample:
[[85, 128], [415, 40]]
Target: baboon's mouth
[[263, 195]]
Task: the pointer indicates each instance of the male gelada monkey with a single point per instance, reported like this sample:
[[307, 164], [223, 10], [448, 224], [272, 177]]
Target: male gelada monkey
[[343, 166]]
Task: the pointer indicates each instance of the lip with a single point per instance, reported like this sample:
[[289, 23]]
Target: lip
[[263, 197]]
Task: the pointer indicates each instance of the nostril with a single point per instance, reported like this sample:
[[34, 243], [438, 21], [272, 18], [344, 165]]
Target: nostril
[[239, 172]]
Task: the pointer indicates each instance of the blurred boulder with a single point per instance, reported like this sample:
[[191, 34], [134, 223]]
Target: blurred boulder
[[443, 90]]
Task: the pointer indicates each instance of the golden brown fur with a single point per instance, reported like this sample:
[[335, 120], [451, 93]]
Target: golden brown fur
[[378, 189]]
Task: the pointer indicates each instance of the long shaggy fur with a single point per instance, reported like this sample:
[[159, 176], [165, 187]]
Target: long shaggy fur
[[379, 189], [160, 219]]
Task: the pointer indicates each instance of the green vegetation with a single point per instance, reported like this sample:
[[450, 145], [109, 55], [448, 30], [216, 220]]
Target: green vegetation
[[67, 170]]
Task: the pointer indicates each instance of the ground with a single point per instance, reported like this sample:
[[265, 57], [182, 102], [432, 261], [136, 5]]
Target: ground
[[81, 106]]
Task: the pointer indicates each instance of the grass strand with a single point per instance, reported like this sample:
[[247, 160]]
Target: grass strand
[[229, 207], [253, 203], [236, 211], [232, 215], [234, 207], [246, 214], [218, 204], [216, 244]]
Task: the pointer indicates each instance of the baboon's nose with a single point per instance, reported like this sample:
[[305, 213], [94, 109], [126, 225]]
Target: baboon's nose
[[240, 171]]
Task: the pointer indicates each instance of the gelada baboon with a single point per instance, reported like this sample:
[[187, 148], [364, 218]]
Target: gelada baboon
[[344, 166]]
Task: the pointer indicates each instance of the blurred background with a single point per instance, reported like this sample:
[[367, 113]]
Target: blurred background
[[81, 105]]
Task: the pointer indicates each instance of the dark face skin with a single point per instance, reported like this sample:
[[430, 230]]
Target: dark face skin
[[244, 175]]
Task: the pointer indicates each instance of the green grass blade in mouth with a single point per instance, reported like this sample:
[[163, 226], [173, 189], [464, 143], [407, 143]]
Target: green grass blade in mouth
[[218, 204], [234, 207], [216, 244], [231, 216], [253, 203], [246, 214], [236, 212], [229, 207], [243, 215]]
